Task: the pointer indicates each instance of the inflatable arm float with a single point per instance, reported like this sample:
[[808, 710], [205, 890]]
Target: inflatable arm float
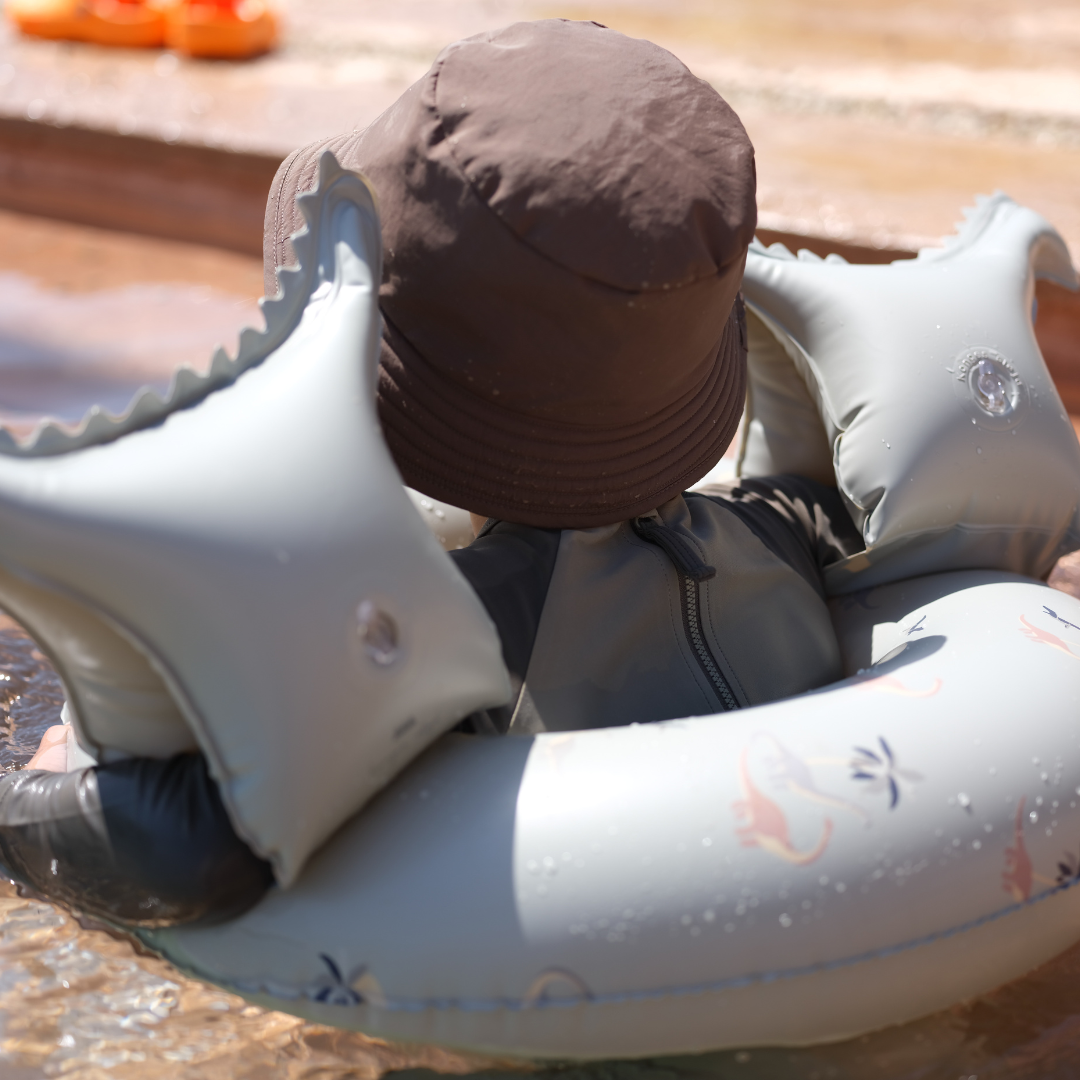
[[237, 568]]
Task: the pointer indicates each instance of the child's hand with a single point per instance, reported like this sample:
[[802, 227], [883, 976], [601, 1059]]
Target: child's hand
[[52, 751], [1066, 574]]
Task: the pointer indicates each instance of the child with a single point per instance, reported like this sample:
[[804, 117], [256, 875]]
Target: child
[[566, 214]]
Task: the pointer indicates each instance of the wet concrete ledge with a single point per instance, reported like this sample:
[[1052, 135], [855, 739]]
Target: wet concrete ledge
[[134, 184], [216, 197]]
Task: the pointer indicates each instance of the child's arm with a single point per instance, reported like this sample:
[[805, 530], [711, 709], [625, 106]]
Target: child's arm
[[139, 841]]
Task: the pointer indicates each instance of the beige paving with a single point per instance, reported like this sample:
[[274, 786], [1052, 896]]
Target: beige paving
[[873, 122]]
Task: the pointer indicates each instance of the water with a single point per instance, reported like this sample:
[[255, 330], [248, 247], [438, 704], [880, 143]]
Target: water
[[61, 351]]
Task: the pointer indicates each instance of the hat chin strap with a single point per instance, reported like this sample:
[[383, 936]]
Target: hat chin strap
[[238, 567]]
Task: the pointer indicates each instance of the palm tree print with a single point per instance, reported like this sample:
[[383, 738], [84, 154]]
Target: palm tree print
[[880, 771]]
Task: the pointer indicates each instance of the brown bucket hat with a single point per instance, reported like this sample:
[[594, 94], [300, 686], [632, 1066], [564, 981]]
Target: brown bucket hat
[[565, 213]]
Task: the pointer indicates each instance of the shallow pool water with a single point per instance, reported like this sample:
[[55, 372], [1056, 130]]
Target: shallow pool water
[[61, 351]]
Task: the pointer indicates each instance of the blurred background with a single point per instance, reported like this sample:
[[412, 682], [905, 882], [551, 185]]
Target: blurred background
[[132, 186], [874, 123]]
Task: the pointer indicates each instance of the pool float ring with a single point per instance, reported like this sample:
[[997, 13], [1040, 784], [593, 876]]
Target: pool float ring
[[789, 874]]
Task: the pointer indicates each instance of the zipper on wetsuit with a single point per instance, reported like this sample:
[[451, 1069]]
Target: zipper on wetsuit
[[692, 571]]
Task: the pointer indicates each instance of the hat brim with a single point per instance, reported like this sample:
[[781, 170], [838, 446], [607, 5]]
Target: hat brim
[[457, 448]]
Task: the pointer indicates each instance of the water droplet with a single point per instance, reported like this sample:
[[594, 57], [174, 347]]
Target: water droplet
[[1033, 817], [706, 841], [709, 915], [964, 800], [785, 921], [823, 880], [379, 633], [978, 449], [841, 887], [742, 1057], [976, 844]]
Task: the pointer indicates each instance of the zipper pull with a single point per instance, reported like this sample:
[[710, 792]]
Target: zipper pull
[[677, 548]]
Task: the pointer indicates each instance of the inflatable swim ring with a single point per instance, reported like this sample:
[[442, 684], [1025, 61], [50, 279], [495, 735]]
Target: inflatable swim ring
[[789, 874], [800, 872]]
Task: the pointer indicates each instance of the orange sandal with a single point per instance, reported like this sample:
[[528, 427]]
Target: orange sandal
[[60, 20], [222, 29], [132, 24], [123, 23]]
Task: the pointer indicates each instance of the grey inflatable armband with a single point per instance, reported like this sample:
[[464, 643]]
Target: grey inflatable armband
[[949, 441], [782, 430], [250, 538]]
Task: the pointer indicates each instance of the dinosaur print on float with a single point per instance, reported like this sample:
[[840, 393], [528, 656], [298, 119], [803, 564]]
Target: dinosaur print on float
[[766, 826], [792, 772], [1044, 637]]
